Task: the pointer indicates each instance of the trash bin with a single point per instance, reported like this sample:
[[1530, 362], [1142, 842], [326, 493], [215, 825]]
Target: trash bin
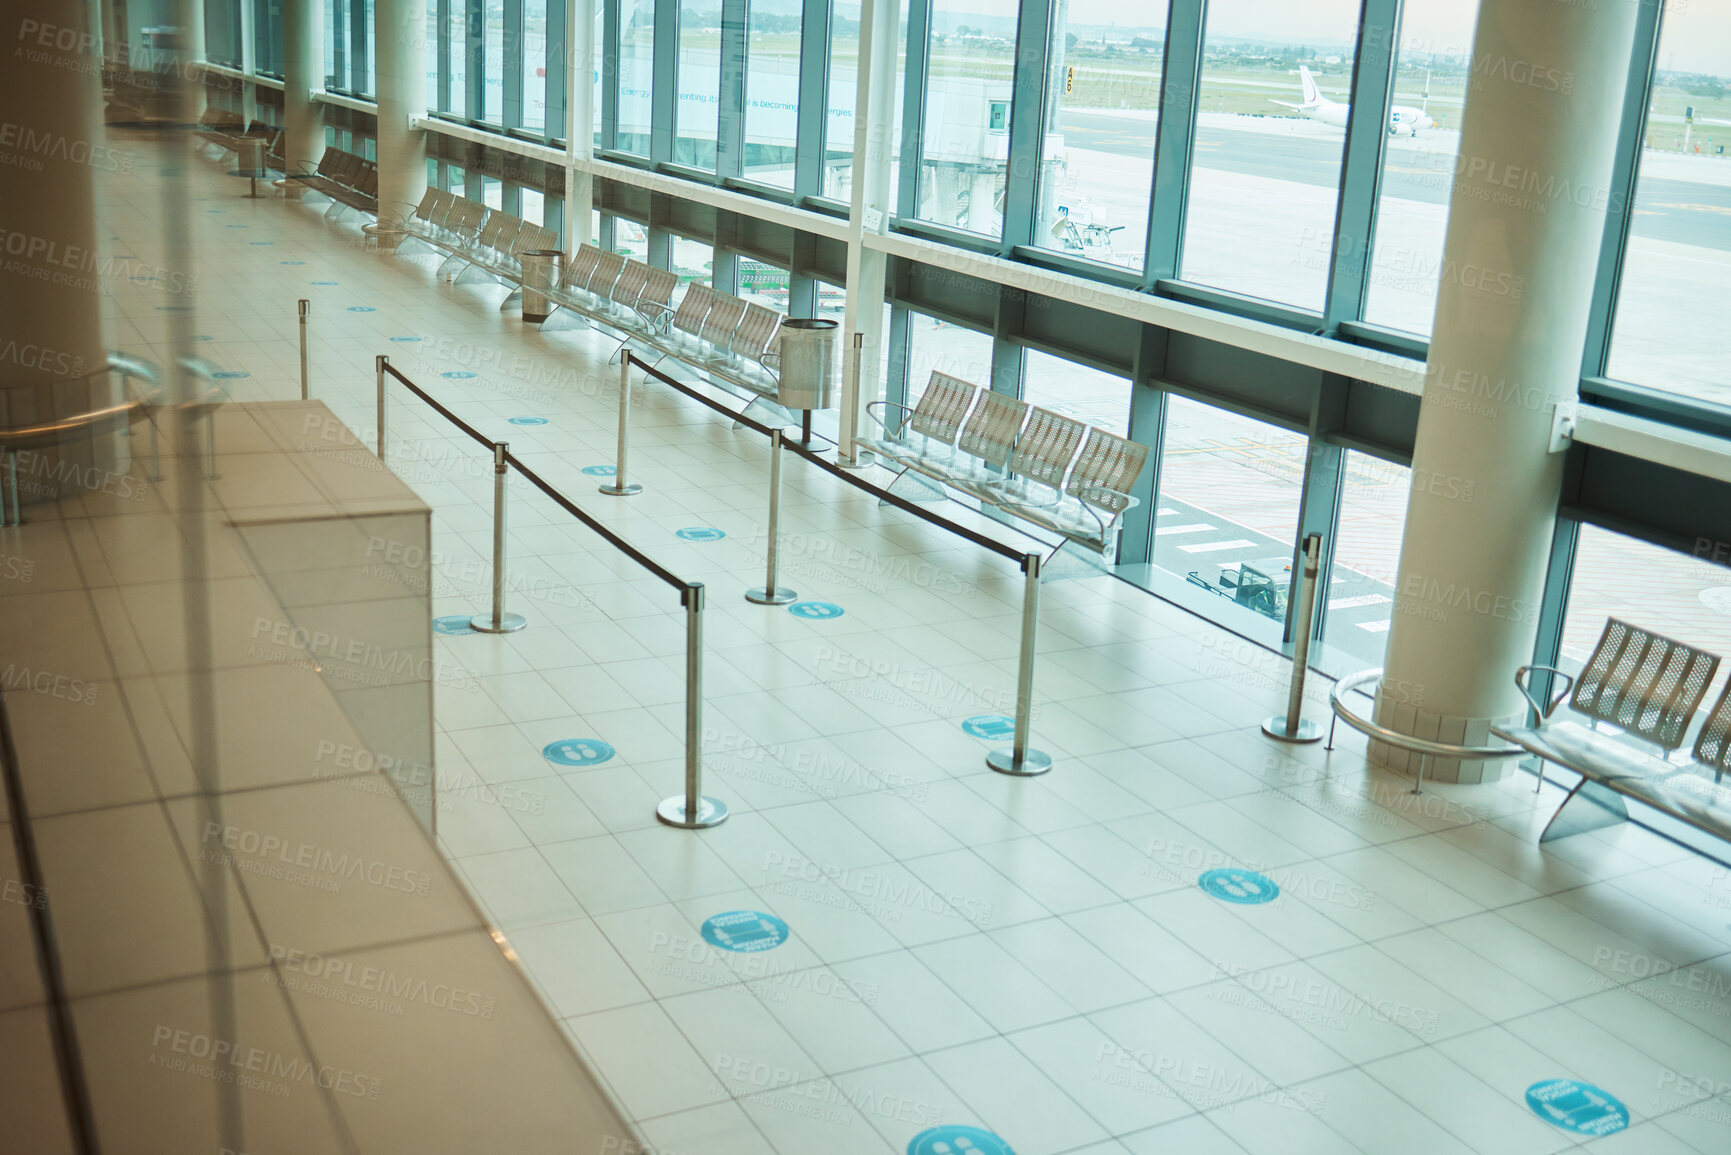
[[807, 364], [540, 272], [250, 156]]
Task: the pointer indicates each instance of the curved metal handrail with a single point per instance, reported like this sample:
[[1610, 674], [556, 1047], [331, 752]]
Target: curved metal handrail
[[130, 368], [1337, 702]]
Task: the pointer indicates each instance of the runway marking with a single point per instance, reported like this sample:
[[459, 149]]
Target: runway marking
[[1375, 627], [1354, 602], [1213, 546], [1163, 511], [1198, 528]]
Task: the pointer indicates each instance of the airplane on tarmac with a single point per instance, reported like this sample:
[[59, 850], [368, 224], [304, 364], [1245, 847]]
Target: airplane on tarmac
[[1403, 119]]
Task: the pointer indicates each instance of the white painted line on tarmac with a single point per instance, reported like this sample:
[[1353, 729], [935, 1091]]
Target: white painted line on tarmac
[[1375, 627], [1166, 529], [1213, 546], [1355, 602]]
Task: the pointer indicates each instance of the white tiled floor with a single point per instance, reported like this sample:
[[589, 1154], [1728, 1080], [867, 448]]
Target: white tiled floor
[[1030, 956]]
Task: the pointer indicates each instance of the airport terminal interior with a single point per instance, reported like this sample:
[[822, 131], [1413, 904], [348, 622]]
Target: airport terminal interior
[[946, 577]]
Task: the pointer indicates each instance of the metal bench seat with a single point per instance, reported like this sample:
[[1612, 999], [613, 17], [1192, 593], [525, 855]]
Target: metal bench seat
[[1648, 687], [975, 441]]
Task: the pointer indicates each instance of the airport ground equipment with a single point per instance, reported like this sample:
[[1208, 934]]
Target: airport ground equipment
[[1015, 458], [1648, 687], [1249, 587]]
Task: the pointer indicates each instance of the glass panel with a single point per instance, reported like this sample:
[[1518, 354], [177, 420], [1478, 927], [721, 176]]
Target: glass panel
[[636, 59], [630, 239], [1076, 391], [946, 348], [457, 61], [1227, 516], [534, 46], [771, 90], [1269, 135], [371, 84], [965, 152], [1676, 287], [763, 283], [454, 178], [532, 208], [336, 23], [598, 39], [1097, 153], [492, 63], [1684, 598], [1430, 83], [697, 113], [692, 260], [843, 91], [1366, 552], [432, 49]]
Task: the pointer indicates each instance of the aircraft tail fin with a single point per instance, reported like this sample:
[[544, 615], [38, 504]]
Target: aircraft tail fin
[[1311, 95]]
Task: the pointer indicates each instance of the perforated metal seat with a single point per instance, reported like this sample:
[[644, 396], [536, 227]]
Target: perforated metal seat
[[1041, 459], [757, 328], [693, 309], [579, 268], [606, 272], [655, 303], [1105, 472], [629, 287]]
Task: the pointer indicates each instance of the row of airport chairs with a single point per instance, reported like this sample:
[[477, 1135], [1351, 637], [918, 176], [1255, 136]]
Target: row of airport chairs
[[475, 236], [1040, 466]]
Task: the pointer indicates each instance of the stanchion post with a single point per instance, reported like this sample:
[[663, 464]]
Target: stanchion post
[[499, 622], [305, 308], [379, 363], [1018, 759], [771, 594], [1291, 727], [691, 810], [855, 457], [621, 487]]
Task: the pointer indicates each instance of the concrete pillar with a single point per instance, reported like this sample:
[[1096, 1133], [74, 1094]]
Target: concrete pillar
[[303, 72], [52, 352], [400, 58], [1525, 221], [869, 209], [585, 58]]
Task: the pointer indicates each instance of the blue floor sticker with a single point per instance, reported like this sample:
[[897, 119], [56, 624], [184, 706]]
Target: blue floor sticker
[[527, 420], [362, 309], [699, 533], [291, 262], [816, 611], [1241, 886], [957, 1139], [577, 752], [230, 374], [405, 338], [237, 226], [203, 337], [457, 374], [1578, 1107], [990, 726], [264, 242], [324, 282], [599, 470], [453, 624], [746, 931]]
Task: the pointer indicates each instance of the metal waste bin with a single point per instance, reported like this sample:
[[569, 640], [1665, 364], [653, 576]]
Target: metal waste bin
[[250, 156], [807, 364], [540, 272]]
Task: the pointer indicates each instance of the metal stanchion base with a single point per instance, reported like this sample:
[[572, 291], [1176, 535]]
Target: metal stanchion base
[[508, 623], [710, 812], [862, 459], [1275, 727], [763, 596], [619, 490], [1004, 762]]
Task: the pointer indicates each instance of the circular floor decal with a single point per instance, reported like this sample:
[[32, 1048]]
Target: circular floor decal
[[457, 374], [815, 611], [747, 931], [1241, 886], [577, 752], [699, 533], [1578, 1107], [527, 420], [957, 1139], [237, 226], [362, 309], [405, 338], [291, 262], [453, 624], [992, 727], [324, 282], [230, 374], [203, 337], [264, 242], [599, 470]]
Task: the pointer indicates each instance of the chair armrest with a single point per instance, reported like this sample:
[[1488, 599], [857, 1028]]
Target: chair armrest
[[1522, 677], [882, 424], [1131, 501]]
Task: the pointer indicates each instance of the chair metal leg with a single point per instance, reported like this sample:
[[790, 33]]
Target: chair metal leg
[[1589, 806]]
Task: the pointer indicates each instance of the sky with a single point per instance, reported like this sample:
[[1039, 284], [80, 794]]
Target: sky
[[1697, 33]]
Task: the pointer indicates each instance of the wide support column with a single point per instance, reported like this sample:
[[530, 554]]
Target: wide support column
[[1525, 220], [870, 210], [400, 61], [303, 71], [580, 22], [51, 267]]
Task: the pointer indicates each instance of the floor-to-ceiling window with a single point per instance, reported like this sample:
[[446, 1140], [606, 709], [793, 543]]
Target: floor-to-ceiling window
[[1676, 284], [1356, 606], [771, 90], [1270, 132], [965, 149], [635, 54], [696, 116]]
